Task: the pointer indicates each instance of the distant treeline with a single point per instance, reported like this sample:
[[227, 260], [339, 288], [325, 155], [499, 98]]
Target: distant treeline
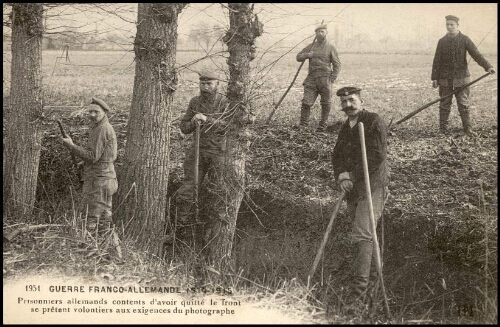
[[114, 42]]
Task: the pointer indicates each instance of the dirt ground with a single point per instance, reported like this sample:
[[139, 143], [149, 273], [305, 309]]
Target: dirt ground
[[443, 192]]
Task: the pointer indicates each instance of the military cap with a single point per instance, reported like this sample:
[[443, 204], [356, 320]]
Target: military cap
[[320, 27], [208, 75], [452, 17], [101, 104], [348, 90]]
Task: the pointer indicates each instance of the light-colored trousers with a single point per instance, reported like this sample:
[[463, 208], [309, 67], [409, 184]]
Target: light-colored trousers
[[359, 210], [98, 195]]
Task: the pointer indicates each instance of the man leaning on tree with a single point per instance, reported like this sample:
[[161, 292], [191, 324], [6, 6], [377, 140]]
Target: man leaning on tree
[[450, 71]]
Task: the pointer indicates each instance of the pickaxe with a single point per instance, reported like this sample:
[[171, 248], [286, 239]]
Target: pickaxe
[[65, 135]]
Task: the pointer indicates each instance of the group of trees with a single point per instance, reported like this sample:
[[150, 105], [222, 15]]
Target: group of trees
[[86, 41], [202, 36], [205, 36], [143, 177]]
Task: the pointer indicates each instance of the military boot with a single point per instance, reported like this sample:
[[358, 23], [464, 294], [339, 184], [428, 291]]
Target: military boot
[[362, 264], [305, 113], [444, 114], [465, 116], [325, 111]]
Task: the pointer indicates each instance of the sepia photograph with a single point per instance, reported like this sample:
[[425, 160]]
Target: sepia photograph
[[250, 163]]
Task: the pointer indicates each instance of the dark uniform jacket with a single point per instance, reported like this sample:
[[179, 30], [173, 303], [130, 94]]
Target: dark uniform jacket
[[325, 61], [450, 60], [346, 156], [99, 153], [212, 132]]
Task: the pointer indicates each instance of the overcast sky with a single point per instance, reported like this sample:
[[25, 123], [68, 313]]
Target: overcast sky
[[377, 20]]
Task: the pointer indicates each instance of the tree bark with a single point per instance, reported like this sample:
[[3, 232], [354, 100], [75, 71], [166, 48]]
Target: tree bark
[[23, 131], [143, 179], [244, 29]]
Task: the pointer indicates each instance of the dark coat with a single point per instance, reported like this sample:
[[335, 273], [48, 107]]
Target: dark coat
[[450, 59], [212, 132], [346, 155]]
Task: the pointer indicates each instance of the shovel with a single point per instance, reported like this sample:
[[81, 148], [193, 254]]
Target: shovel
[[376, 247], [196, 170]]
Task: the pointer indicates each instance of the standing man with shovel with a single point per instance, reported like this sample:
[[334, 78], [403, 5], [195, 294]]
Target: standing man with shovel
[[349, 173], [207, 114], [324, 67]]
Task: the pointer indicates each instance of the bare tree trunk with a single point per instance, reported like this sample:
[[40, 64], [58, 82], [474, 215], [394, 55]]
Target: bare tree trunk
[[143, 179], [240, 39], [22, 127]]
